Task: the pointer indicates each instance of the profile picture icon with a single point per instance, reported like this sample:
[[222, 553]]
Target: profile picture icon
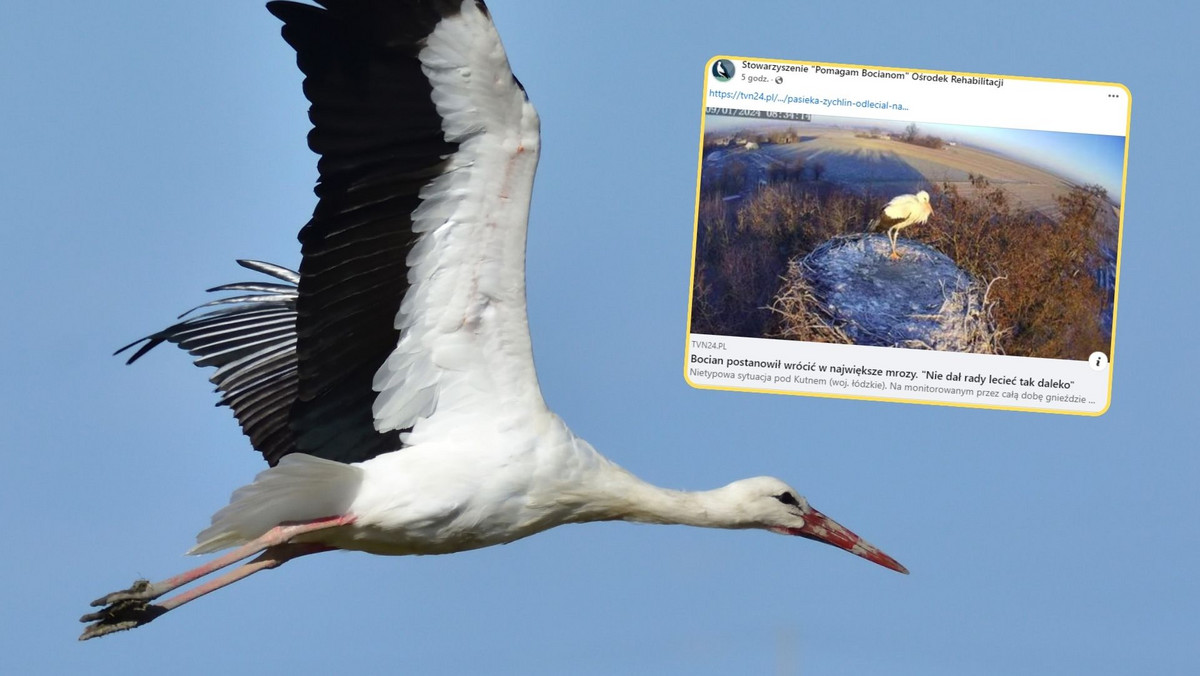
[[723, 70]]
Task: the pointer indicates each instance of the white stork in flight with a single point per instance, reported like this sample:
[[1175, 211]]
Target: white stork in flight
[[390, 383], [901, 212]]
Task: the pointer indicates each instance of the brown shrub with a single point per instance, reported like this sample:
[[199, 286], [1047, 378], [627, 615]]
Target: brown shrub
[[743, 249], [1045, 295]]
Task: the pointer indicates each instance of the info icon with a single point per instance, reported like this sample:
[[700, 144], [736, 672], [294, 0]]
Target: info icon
[[722, 69]]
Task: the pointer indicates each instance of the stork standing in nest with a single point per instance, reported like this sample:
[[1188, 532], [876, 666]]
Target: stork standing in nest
[[901, 212]]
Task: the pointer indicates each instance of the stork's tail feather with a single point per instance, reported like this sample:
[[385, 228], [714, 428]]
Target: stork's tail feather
[[300, 488]]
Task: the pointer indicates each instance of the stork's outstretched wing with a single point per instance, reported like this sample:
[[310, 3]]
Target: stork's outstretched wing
[[411, 290]]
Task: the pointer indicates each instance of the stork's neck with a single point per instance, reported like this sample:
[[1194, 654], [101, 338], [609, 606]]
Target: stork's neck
[[616, 494]]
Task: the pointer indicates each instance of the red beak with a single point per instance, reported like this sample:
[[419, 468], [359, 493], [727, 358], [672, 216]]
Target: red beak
[[821, 528]]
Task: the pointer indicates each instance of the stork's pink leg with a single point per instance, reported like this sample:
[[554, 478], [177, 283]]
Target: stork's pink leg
[[129, 608], [273, 557], [146, 591], [129, 614]]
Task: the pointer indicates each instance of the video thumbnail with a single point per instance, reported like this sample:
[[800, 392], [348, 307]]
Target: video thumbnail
[[907, 235]]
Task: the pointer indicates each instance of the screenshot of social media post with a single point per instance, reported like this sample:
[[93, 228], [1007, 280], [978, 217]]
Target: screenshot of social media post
[[907, 235]]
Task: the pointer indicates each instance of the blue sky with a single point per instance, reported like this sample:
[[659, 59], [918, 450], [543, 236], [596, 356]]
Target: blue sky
[[148, 144]]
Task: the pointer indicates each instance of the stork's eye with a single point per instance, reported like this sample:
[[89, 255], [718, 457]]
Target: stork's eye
[[787, 498]]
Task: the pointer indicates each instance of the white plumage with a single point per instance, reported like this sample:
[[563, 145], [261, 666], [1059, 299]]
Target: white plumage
[[390, 382]]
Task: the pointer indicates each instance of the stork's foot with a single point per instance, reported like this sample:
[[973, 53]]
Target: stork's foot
[[895, 256], [141, 590], [119, 616]]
